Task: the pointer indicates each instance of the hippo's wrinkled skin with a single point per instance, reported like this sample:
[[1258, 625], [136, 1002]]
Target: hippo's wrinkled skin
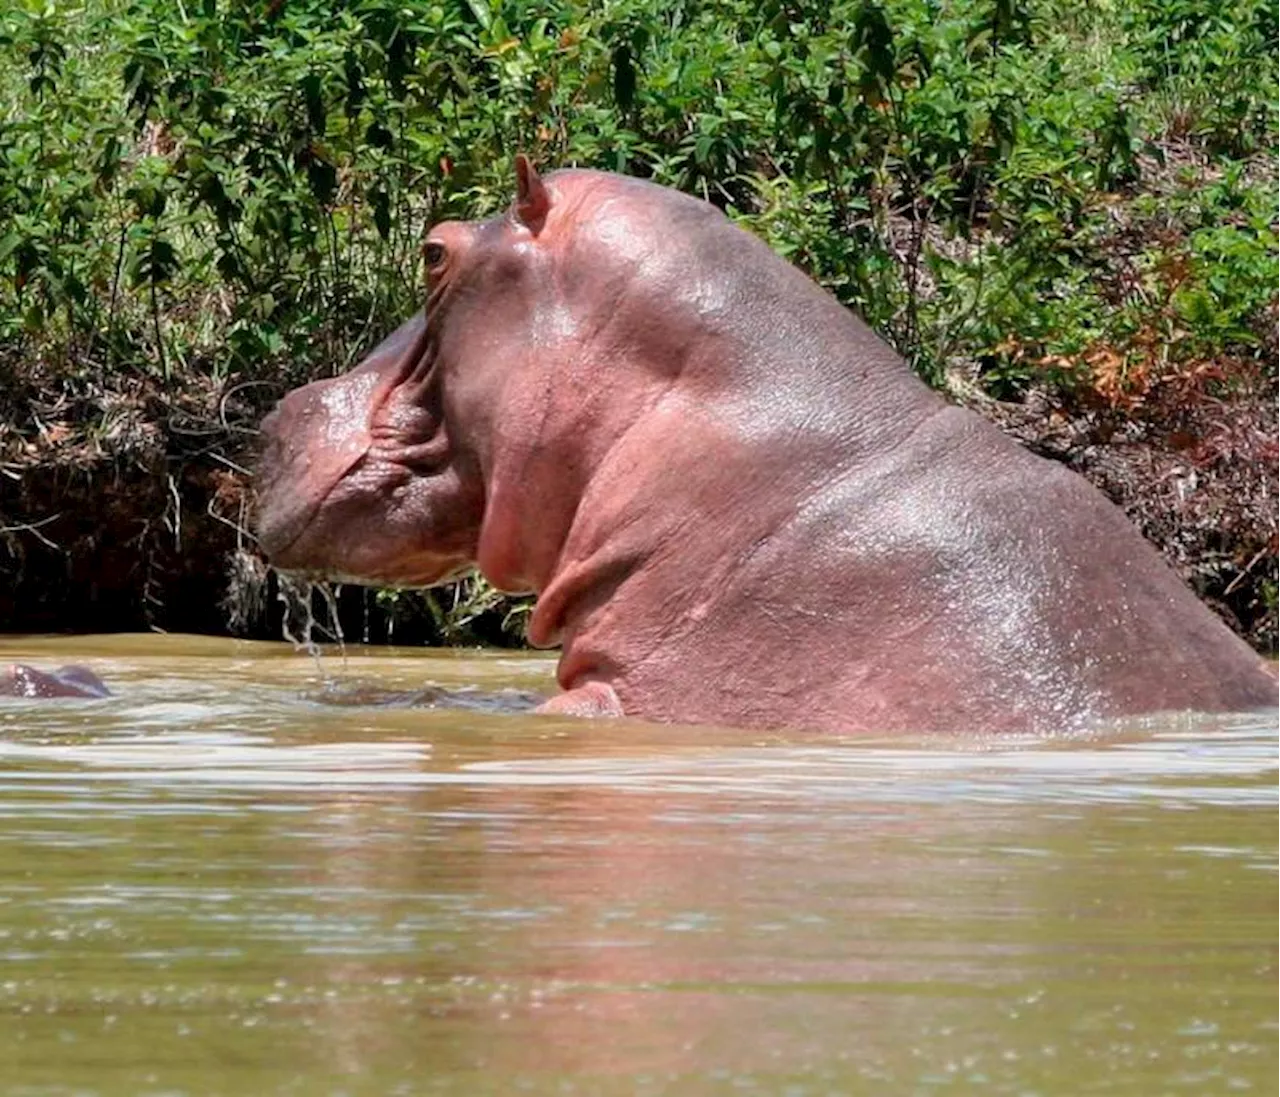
[[20, 680], [736, 504]]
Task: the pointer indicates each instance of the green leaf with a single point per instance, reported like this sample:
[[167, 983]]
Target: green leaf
[[483, 13]]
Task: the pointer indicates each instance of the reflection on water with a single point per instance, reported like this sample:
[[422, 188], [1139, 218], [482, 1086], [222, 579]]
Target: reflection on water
[[218, 881]]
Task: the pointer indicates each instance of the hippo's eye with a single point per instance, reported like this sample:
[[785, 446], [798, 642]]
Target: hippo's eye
[[434, 253]]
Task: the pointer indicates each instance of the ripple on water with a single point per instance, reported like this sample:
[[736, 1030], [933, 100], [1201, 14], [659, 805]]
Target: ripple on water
[[269, 740]]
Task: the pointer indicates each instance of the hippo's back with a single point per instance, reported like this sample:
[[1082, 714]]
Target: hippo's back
[[961, 582]]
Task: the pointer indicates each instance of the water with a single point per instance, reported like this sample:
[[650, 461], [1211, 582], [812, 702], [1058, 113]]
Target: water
[[222, 882]]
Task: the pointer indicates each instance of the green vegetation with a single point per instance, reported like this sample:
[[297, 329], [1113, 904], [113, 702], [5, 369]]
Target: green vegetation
[[1064, 213]]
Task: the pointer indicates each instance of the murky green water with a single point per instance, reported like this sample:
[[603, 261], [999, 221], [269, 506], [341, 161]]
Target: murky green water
[[217, 883]]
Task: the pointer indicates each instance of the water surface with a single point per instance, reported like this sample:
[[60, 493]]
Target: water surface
[[232, 878]]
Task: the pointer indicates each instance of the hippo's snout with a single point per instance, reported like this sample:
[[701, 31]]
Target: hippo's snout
[[356, 481], [312, 440]]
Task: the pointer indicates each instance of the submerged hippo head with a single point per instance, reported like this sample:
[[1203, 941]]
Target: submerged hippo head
[[20, 680]]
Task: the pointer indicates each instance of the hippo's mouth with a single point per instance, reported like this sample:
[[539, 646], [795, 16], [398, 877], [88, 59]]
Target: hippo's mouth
[[310, 575], [277, 534], [284, 519], [338, 537]]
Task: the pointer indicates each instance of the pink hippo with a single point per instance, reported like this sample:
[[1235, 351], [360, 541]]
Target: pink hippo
[[735, 503]]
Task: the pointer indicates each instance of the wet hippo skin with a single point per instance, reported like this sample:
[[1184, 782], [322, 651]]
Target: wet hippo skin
[[20, 680], [736, 504]]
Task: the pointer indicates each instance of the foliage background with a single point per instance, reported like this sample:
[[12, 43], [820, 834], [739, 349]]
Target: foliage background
[[1062, 213]]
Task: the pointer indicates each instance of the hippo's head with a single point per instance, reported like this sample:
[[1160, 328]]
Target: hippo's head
[[359, 477], [467, 436]]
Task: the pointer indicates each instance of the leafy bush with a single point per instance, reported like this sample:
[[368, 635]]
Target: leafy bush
[[241, 179]]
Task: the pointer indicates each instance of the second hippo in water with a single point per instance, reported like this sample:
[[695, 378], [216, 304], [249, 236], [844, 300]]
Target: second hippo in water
[[736, 504], [20, 680]]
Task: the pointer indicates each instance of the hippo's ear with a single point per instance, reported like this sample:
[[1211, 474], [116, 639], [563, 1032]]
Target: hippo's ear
[[532, 199]]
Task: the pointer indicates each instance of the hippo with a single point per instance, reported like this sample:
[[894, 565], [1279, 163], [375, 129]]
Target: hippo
[[735, 504], [20, 680]]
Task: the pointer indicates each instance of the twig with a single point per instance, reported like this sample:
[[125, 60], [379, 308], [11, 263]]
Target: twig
[[33, 528], [229, 463], [155, 319], [222, 405], [177, 516], [1243, 573], [242, 533]]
